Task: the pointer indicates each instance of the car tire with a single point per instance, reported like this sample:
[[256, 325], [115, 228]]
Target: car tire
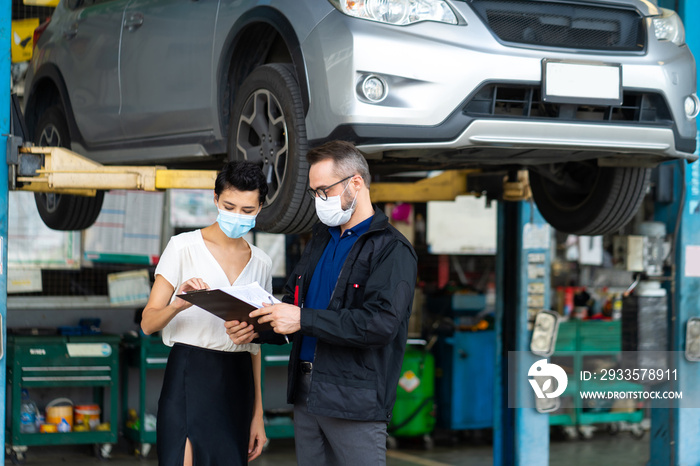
[[268, 128], [582, 198], [61, 211]]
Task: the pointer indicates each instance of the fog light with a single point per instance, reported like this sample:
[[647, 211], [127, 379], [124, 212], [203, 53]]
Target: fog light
[[374, 88], [692, 106], [692, 339], [544, 334]]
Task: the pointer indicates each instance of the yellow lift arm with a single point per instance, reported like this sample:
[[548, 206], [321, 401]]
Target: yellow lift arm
[[443, 187], [65, 172]]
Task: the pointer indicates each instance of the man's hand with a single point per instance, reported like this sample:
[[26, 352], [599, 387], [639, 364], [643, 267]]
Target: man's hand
[[240, 332], [284, 318]]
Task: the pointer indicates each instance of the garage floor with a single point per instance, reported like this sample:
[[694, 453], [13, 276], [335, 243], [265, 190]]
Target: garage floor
[[623, 450]]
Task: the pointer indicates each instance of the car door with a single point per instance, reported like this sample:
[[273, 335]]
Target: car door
[[91, 33], [166, 66]]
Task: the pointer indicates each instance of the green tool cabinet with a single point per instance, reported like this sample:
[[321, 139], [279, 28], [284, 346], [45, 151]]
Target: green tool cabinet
[[275, 356], [59, 362], [576, 341], [145, 353]]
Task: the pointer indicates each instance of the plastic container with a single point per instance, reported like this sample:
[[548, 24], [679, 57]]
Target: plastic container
[[59, 409], [48, 428], [88, 415], [414, 413], [28, 414], [64, 426]]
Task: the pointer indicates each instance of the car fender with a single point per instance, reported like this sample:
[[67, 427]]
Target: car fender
[[50, 72], [275, 19]]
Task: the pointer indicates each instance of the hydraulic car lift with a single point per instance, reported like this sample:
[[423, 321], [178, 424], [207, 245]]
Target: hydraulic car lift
[[59, 170], [521, 435]]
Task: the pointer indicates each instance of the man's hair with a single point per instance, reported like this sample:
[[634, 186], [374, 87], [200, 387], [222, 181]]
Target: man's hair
[[241, 176], [347, 160]]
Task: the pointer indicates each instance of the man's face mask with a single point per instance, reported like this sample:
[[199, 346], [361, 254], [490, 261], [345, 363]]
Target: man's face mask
[[331, 212]]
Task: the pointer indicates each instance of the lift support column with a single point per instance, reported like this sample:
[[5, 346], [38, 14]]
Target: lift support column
[[675, 432], [521, 434], [5, 28]]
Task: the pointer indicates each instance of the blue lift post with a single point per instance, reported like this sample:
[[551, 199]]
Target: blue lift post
[[675, 433], [521, 435], [5, 37]]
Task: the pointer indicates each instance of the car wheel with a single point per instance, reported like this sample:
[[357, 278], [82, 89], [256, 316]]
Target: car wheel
[[267, 127], [584, 199], [62, 211]]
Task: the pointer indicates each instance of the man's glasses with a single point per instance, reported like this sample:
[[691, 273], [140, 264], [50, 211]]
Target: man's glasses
[[323, 192]]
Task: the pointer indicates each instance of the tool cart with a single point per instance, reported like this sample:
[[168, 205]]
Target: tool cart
[[577, 343], [145, 352], [57, 362]]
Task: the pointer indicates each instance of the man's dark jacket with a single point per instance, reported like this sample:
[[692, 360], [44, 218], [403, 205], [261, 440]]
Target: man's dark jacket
[[362, 335]]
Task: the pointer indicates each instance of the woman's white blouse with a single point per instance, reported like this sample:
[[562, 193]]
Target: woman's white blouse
[[185, 257]]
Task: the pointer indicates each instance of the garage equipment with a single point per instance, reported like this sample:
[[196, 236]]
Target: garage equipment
[[146, 353], [577, 341], [645, 327], [674, 431], [465, 362], [56, 362], [414, 411], [522, 287], [465, 383], [278, 420]]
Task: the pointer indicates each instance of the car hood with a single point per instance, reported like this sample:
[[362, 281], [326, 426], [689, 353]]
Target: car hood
[[646, 7]]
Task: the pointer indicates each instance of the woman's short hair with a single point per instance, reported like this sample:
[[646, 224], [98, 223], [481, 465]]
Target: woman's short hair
[[241, 176], [347, 160]]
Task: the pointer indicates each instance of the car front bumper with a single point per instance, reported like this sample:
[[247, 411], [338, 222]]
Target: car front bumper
[[434, 70]]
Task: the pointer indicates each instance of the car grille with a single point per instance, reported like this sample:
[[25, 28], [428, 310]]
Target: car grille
[[563, 24], [517, 101]]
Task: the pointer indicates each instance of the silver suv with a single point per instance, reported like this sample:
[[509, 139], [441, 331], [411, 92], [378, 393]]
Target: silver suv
[[588, 95]]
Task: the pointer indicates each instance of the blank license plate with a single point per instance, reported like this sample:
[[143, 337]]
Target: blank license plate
[[582, 83]]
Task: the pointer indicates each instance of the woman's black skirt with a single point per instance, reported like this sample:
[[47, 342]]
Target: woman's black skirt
[[207, 396]]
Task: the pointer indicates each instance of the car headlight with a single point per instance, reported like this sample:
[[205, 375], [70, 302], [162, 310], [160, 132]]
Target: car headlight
[[669, 27], [398, 12]]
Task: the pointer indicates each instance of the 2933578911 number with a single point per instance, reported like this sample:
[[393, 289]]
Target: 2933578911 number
[[640, 375]]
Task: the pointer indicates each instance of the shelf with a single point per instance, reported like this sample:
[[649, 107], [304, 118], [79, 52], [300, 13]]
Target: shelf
[[146, 436], [579, 340], [67, 438]]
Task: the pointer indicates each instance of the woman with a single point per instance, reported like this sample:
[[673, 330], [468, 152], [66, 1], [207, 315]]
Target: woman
[[210, 407]]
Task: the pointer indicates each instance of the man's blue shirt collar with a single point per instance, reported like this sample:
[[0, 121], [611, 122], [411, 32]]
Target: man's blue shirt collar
[[358, 230]]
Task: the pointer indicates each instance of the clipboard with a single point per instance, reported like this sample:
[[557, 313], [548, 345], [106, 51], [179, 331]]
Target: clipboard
[[225, 306]]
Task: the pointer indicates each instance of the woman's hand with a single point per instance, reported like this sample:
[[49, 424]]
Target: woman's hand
[[192, 284], [240, 332], [257, 437]]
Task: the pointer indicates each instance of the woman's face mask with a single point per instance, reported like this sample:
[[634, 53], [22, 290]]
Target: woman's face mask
[[235, 225]]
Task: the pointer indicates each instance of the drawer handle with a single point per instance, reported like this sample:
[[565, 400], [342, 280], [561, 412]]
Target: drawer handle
[[156, 360], [276, 358], [66, 368], [82, 378]]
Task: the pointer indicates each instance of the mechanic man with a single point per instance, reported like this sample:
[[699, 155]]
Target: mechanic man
[[347, 306]]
